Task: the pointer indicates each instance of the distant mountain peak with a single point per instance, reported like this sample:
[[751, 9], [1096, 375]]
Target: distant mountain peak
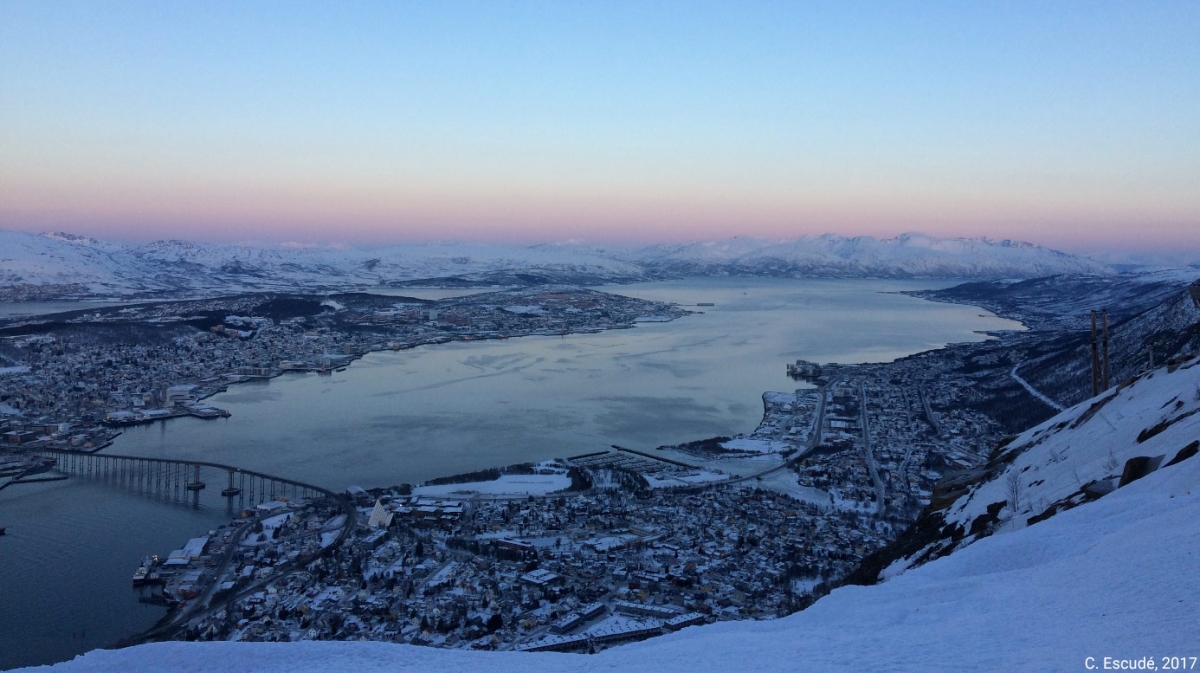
[[69, 238]]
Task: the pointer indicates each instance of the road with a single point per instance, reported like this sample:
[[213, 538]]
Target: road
[[937, 429], [230, 548], [880, 503], [1033, 391]]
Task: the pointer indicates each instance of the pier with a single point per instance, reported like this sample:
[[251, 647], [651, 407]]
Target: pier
[[176, 479]]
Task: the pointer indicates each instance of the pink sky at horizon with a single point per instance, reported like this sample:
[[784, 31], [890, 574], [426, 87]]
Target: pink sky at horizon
[[233, 216], [1065, 125], [318, 235]]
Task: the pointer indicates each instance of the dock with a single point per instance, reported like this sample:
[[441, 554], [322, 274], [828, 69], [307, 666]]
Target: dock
[[129, 417]]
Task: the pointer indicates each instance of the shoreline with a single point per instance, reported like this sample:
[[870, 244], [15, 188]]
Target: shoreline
[[485, 336]]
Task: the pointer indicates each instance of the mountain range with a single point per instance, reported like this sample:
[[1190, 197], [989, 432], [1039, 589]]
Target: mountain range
[[58, 265]]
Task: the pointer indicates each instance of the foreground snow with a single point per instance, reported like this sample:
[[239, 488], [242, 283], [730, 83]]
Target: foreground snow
[[1111, 578]]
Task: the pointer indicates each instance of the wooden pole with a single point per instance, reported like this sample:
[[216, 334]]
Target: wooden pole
[[1104, 317], [1095, 359]]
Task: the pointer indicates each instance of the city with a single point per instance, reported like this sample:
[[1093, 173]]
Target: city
[[69, 383], [580, 553]]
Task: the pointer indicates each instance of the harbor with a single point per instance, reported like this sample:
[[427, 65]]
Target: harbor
[[119, 419]]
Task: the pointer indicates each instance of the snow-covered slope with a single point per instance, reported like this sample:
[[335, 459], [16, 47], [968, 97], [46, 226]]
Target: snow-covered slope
[[1114, 577], [1069, 460], [76, 266], [86, 266], [62, 259], [1064, 302]]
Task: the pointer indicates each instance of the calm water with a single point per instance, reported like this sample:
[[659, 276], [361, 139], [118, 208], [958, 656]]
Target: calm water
[[408, 416]]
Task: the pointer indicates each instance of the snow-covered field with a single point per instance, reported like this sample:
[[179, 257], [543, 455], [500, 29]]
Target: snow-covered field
[[784, 481], [686, 478], [1114, 578], [753, 445], [507, 484]]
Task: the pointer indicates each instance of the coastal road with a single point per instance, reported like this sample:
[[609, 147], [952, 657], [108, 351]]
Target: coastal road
[[206, 597], [185, 614], [814, 439]]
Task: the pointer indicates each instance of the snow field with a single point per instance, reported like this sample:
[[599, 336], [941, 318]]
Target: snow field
[[507, 484]]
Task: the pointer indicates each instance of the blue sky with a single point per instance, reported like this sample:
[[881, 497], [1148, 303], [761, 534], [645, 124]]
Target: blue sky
[[1070, 124]]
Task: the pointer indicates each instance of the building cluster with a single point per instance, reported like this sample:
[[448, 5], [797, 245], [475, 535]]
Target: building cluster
[[66, 381], [572, 573], [632, 555], [884, 446], [264, 541], [788, 418], [872, 439]]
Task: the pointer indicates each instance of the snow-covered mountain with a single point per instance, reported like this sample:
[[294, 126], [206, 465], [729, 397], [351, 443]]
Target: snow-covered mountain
[[75, 266], [1110, 574], [905, 256], [44, 266], [1083, 454]]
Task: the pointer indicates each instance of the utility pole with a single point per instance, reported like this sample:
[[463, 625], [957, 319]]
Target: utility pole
[[1104, 316], [1095, 359]]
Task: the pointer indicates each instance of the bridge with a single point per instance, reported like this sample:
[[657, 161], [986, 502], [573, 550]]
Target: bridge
[[176, 479]]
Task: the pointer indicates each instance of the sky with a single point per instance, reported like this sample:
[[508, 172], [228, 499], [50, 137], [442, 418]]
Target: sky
[[1070, 124]]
